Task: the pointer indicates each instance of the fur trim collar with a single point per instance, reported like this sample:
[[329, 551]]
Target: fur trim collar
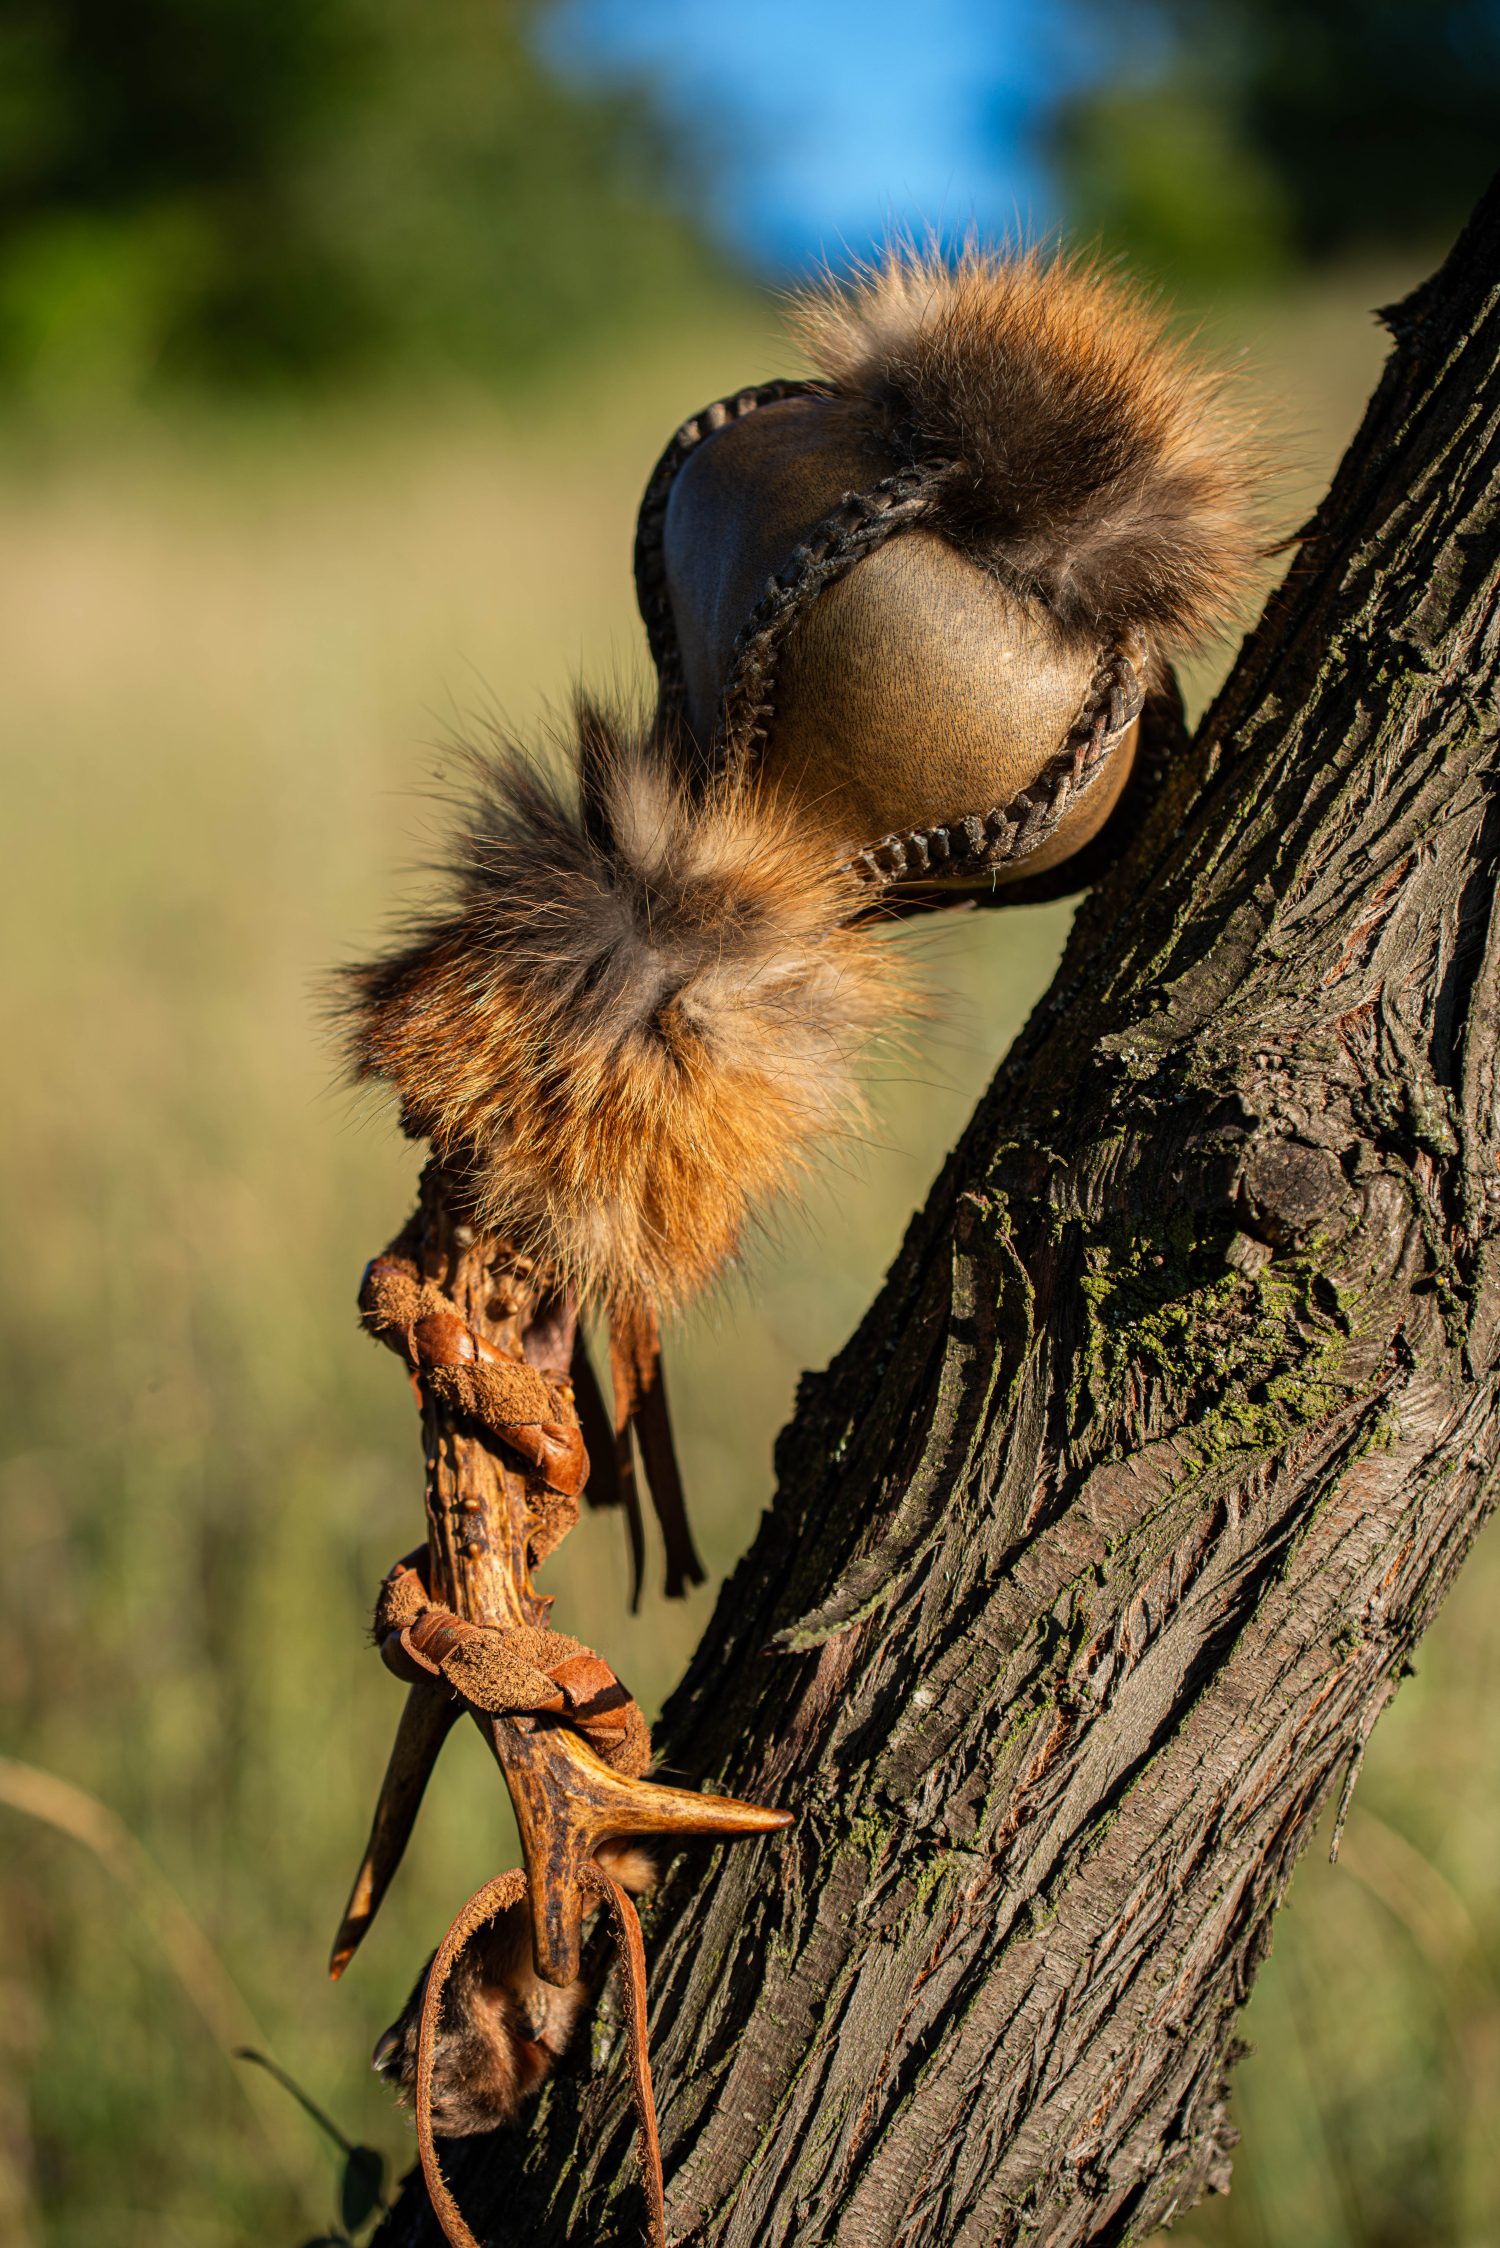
[[1078, 447]]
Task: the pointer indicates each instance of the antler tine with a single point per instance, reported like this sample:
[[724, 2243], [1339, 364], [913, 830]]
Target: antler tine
[[427, 1718], [567, 1801]]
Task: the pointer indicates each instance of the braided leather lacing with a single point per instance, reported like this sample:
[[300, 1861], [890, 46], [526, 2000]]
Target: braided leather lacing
[[861, 522], [651, 593], [962, 848], [965, 848]]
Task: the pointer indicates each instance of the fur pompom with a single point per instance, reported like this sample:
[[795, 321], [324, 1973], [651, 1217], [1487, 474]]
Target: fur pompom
[[635, 1017], [1079, 448]]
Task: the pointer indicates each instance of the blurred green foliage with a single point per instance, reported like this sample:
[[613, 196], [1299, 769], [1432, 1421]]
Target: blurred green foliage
[[1223, 142], [235, 193]]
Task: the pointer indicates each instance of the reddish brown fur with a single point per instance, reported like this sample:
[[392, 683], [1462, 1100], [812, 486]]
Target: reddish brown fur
[[501, 2029], [628, 1028], [1084, 452]]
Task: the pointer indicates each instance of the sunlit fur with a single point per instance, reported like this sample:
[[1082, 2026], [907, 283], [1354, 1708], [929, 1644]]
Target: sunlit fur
[[501, 2030], [1093, 458], [628, 1029]]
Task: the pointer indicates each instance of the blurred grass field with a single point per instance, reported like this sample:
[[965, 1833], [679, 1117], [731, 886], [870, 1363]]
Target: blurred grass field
[[233, 650]]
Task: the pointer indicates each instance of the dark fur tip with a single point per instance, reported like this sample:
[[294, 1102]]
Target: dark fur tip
[[1075, 445]]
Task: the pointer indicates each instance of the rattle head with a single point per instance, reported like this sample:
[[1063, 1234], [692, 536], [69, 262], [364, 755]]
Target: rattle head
[[927, 591]]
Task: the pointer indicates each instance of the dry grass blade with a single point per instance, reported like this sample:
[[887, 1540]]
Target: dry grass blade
[[196, 1967]]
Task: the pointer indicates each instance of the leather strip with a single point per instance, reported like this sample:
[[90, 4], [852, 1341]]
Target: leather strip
[[641, 1403], [508, 1670], [625, 1922], [497, 1896], [464, 1371]]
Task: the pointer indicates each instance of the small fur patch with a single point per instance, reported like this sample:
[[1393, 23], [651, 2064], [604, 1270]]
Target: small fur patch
[[501, 2029], [1081, 450], [636, 1016]]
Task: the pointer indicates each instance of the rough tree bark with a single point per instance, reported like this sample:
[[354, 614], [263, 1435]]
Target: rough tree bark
[[1101, 1547]]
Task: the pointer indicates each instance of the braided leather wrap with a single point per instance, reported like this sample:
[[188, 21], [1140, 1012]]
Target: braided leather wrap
[[963, 849], [861, 522], [1160, 747], [651, 593]]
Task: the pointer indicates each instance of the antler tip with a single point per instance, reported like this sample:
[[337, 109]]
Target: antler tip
[[345, 1946], [756, 1818], [672, 1810]]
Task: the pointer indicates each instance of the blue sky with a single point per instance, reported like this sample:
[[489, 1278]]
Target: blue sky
[[831, 121]]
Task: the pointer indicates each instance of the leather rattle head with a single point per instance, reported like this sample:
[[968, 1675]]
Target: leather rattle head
[[928, 591], [913, 620]]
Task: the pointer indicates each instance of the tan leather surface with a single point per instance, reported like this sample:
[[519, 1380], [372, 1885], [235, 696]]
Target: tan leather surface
[[915, 689], [740, 503]]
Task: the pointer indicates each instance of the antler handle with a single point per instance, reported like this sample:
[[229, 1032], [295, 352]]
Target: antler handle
[[470, 1314]]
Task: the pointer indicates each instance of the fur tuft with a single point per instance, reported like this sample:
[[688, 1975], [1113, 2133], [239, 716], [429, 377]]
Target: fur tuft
[[1082, 450], [501, 2029], [634, 1019]]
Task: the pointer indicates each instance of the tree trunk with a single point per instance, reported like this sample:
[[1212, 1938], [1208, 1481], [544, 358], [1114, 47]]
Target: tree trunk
[[1101, 1547]]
